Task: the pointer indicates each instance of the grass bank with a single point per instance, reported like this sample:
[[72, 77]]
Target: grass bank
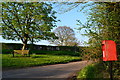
[[34, 60], [92, 71], [98, 71]]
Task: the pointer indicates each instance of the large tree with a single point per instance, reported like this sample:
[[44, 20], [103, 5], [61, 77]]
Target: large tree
[[66, 36], [27, 21]]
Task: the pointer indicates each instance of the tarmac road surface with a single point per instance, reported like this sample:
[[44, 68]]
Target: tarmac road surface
[[62, 71]]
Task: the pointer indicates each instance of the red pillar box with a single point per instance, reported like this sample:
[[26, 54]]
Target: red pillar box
[[109, 50]]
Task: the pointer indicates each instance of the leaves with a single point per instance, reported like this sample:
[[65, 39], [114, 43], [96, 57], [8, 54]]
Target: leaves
[[31, 19], [103, 24]]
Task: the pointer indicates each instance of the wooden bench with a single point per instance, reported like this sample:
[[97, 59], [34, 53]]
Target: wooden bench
[[23, 52]]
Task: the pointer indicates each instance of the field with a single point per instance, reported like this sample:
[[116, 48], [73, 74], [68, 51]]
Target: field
[[20, 61]]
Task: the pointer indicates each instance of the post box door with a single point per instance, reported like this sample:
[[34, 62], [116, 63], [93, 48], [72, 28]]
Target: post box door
[[103, 50], [109, 50]]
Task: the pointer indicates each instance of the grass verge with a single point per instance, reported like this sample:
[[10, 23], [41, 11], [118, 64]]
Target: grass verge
[[34, 60], [92, 71], [98, 71]]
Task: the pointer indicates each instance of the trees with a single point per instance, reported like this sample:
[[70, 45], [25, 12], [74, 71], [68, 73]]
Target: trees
[[66, 36], [103, 24], [27, 21]]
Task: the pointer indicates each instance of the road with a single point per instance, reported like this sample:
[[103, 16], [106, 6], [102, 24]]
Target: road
[[50, 71]]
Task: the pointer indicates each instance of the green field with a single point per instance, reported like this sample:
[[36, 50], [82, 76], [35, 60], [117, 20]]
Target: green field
[[20, 61]]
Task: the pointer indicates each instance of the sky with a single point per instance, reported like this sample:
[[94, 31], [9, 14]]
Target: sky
[[66, 19]]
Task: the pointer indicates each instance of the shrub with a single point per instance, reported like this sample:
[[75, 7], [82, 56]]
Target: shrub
[[71, 53], [7, 51]]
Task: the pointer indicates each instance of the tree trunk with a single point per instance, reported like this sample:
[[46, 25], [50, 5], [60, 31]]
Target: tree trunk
[[24, 44], [32, 44]]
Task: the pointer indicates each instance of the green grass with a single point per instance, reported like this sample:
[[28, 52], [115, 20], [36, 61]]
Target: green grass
[[97, 71], [20, 61], [92, 71]]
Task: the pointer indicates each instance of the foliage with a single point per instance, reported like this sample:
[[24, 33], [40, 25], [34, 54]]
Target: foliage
[[27, 21], [66, 36], [16, 46], [4, 46], [115, 69], [71, 53], [8, 48], [64, 7], [6, 51], [35, 60], [103, 24]]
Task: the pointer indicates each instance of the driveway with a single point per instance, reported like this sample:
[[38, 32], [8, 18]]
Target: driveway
[[62, 71]]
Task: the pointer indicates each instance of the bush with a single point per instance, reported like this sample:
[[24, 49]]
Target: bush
[[71, 53], [7, 51]]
